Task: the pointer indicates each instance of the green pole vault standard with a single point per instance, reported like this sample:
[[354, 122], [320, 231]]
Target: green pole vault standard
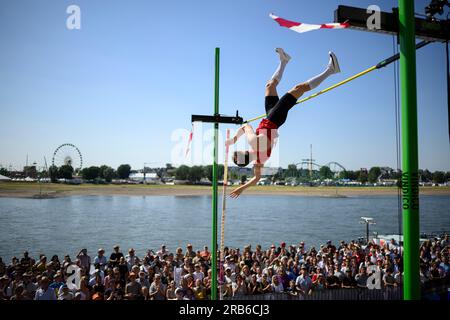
[[214, 182], [410, 183], [216, 119]]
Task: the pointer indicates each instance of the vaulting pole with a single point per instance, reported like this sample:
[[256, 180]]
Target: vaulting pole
[[410, 175], [224, 206], [214, 182]]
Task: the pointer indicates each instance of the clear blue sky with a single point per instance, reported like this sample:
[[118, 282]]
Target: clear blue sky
[[137, 70]]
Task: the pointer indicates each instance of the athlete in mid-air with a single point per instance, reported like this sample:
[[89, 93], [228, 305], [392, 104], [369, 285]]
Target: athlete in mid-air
[[262, 140]]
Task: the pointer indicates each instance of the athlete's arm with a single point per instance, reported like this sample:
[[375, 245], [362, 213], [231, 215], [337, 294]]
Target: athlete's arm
[[245, 129], [257, 175]]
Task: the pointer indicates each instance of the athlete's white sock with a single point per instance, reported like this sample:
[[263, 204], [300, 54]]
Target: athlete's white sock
[[315, 81], [333, 67], [284, 59]]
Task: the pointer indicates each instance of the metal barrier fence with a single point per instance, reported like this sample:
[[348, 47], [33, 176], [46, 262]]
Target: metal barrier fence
[[439, 292], [335, 294]]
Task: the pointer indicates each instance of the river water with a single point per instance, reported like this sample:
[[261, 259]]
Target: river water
[[65, 225]]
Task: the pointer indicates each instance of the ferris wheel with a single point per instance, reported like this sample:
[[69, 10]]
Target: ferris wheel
[[68, 154]]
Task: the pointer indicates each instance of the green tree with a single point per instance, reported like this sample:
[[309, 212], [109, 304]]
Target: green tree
[[53, 173], [362, 177], [90, 173], [4, 172], [123, 171], [182, 173], [374, 173], [107, 173], [447, 176], [325, 172], [65, 172], [438, 177], [426, 175], [291, 171], [195, 174], [208, 172]]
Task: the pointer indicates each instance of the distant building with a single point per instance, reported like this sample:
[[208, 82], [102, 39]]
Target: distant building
[[150, 177]]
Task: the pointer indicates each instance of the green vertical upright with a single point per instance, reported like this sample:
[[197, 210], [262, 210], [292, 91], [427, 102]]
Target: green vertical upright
[[214, 182], [410, 183]]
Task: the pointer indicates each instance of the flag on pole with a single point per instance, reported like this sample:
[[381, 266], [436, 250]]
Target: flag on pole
[[188, 147], [304, 27]]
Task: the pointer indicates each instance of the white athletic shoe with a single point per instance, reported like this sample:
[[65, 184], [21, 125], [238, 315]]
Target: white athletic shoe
[[283, 55], [334, 64]]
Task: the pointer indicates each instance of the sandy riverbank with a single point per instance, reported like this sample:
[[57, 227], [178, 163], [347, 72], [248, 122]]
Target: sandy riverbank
[[31, 190]]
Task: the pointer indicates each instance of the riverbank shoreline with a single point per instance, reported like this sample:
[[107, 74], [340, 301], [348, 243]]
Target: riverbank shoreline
[[50, 190]]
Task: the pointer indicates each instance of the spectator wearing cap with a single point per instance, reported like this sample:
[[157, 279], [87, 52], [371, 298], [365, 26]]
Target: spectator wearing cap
[[143, 280], [157, 289], [96, 274], [303, 281], [190, 253], [57, 282], [100, 259], [115, 256], [131, 259], [45, 292]]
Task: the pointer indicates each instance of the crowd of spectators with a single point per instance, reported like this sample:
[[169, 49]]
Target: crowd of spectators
[[186, 274]]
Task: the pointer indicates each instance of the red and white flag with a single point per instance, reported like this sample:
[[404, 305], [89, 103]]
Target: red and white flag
[[188, 147], [304, 27]]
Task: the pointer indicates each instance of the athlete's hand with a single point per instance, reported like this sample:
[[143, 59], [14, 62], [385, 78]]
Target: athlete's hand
[[236, 193], [229, 142]]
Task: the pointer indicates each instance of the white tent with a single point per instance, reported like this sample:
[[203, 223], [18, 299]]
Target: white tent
[[3, 178]]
